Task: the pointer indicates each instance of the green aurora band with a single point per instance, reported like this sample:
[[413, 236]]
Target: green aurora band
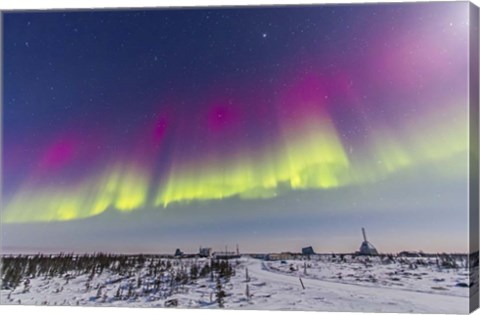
[[310, 156]]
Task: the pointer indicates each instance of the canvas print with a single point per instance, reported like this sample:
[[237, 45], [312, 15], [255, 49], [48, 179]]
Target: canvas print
[[316, 157]]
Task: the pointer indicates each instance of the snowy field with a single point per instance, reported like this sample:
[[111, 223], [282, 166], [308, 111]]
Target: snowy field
[[327, 284]]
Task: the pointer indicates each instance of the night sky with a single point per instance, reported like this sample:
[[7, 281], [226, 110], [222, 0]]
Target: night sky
[[270, 127]]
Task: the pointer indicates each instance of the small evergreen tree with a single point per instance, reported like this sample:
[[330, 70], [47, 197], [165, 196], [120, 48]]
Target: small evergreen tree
[[99, 293], [194, 271], [220, 294]]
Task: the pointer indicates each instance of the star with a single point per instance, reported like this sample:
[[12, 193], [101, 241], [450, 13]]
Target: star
[[264, 35]]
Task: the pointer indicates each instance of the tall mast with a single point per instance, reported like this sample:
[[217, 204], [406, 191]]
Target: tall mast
[[364, 234]]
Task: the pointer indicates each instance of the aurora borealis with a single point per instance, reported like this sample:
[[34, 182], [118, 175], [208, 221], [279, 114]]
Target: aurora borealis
[[166, 116]]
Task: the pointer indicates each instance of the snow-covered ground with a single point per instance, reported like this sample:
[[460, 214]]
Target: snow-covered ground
[[329, 285], [412, 274]]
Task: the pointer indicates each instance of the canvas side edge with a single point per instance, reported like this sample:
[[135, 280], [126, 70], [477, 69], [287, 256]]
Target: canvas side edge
[[473, 155], [1, 142]]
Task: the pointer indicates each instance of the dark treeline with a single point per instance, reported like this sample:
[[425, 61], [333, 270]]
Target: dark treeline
[[22, 267], [137, 275]]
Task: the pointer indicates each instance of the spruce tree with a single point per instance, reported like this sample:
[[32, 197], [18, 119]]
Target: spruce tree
[[220, 294]]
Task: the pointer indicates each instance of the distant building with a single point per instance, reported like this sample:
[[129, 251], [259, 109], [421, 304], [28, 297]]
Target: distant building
[[178, 252], [410, 254], [280, 256], [225, 255], [204, 252], [308, 251], [257, 255], [367, 248]]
